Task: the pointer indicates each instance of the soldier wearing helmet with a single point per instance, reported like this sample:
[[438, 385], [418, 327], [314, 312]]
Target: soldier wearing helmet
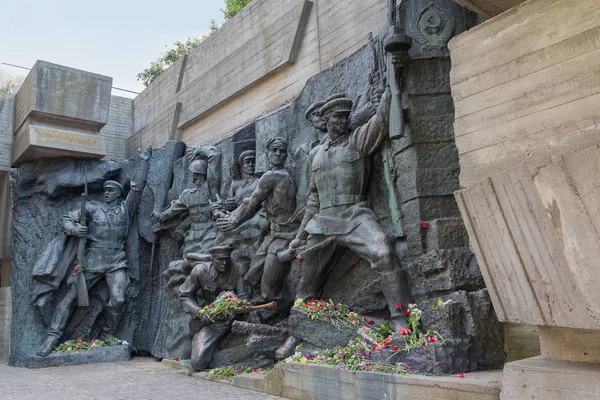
[[197, 202]]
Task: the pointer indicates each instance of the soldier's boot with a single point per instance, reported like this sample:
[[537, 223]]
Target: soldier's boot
[[111, 323], [60, 319], [49, 344], [395, 292], [287, 349]]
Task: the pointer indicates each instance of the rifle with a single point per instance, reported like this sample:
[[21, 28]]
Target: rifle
[[196, 324], [81, 286]]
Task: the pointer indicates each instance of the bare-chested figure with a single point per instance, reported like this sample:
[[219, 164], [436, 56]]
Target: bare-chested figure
[[277, 190]]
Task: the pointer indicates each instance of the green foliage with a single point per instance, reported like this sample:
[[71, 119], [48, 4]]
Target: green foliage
[[169, 57], [81, 345], [234, 370], [233, 7], [7, 88]]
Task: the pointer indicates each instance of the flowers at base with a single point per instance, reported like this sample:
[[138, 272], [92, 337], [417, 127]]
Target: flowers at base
[[412, 335], [424, 225], [82, 345], [372, 338], [234, 370], [441, 303], [356, 356], [223, 306], [460, 375], [335, 313]]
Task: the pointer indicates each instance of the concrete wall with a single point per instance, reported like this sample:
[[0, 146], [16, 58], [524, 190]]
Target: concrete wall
[[213, 104], [526, 87], [6, 130], [5, 322], [119, 127]]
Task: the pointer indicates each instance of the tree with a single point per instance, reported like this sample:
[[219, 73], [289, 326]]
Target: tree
[[157, 66], [233, 7]]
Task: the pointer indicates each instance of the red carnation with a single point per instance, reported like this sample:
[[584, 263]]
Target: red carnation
[[424, 225], [460, 374], [399, 306], [407, 312]]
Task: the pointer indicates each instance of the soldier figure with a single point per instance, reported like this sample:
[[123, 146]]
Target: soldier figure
[[337, 211], [198, 203], [105, 254], [205, 283], [301, 170], [242, 188], [276, 189]]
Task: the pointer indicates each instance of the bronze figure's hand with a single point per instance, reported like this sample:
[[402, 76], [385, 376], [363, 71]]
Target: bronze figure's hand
[[294, 244], [80, 231], [146, 154], [226, 224], [231, 204]]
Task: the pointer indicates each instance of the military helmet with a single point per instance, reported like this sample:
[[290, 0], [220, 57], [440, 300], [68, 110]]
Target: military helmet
[[199, 167]]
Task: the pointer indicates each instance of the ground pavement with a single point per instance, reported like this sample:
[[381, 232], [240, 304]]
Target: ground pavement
[[140, 379]]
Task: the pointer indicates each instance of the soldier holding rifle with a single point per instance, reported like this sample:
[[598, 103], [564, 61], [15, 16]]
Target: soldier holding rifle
[[202, 287], [107, 227]]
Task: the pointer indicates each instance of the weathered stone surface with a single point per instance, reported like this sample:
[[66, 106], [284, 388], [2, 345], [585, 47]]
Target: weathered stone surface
[[320, 333], [100, 355], [298, 382], [59, 112], [539, 377]]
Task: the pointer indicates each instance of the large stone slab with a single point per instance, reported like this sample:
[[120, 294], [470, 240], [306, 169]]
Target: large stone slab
[[526, 86], [540, 378], [535, 235], [299, 382], [59, 111], [93, 356]]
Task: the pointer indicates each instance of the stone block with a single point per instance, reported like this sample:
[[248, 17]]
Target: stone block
[[59, 111], [427, 182], [536, 241], [576, 345], [445, 233], [526, 92], [444, 271], [299, 382], [108, 354], [542, 378], [320, 333]]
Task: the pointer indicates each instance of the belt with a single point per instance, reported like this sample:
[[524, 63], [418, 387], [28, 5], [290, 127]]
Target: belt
[[113, 246], [340, 200], [284, 228]]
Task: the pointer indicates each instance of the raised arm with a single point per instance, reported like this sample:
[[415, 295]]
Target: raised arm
[[250, 205], [138, 182], [369, 137]]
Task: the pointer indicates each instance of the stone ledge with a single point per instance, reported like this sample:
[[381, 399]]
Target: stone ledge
[[542, 378], [300, 382], [94, 356]]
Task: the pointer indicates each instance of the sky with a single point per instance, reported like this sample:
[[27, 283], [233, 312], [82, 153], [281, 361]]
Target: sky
[[109, 37]]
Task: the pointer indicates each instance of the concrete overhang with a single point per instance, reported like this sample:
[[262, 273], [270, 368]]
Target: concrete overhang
[[489, 8]]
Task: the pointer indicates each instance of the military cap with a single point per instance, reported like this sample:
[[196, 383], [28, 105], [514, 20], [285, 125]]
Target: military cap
[[220, 251], [314, 107], [246, 154], [113, 184], [276, 141], [199, 167], [335, 96], [340, 105]]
